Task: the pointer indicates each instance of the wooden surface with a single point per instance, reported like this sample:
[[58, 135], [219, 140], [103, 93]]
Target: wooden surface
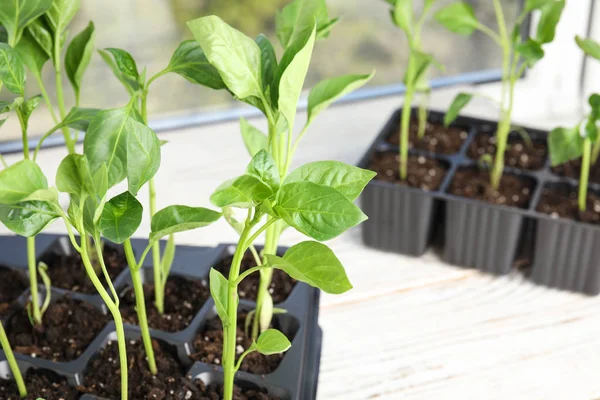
[[412, 328]]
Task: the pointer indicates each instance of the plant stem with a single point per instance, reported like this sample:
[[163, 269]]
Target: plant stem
[[59, 95], [12, 362], [33, 283], [24, 138], [422, 115], [585, 173], [596, 149], [405, 118], [46, 97]]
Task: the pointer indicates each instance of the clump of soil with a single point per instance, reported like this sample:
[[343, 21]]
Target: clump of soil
[[437, 138], [103, 376], [475, 184], [281, 283], [201, 391], [183, 299], [40, 384], [424, 173], [67, 271], [572, 169], [561, 202], [12, 284], [68, 327], [518, 154], [208, 348]]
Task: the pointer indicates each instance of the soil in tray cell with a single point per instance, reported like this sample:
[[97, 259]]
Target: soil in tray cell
[[437, 138], [519, 153], [572, 169], [12, 284], [423, 173], [214, 391], [562, 202], [40, 384]]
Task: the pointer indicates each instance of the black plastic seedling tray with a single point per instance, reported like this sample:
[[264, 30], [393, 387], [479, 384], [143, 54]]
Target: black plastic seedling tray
[[477, 234], [296, 377]]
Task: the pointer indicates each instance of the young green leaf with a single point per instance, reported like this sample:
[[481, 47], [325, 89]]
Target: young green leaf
[[590, 47], [271, 342], [347, 179], [15, 15], [299, 18], [12, 72], [263, 167], [79, 55], [176, 218], [268, 60], [253, 138], [403, 15], [27, 218], [30, 105], [266, 312], [233, 54], [143, 154], [218, 291], [549, 17], [531, 51], [123, 67], [191, 63], [318, 211], [60, 15], [41, 33], [79, 118], [121, 217], [6, 106], [243, 192], [459, 102], [531, 5], [32, 54], [315, 264], [20, 180], [73, 175], [459, 18], [564, 144], [327, 91]]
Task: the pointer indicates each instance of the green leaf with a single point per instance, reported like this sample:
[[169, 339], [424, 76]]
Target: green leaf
[[291, 74], [74, 176], [177, 218], [564, 144], [60, 15], [218, 291], [79, 55], [531, 5], [168, 256], [346, 179], [32, 54], [298, 18], [49, 195], [266, 312], [5, 106], [27, 218], [263, 167], [123, 67], [549, 17], [315, 264], [41, 33], [143, 154], [79, 118], [20, 180], [590, 47], [268, 60], [459, 18], [254, 139], [324, 29], [531, 51], [15, 15], [403, 15], [233, 54], [121, 217], [30, 105], [12, 72], [271, 342], [243, 192], [459, 102], [191, 63], [327, 91], [318, 211]]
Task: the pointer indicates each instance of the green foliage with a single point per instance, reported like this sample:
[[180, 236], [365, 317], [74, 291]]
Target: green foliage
[[253, 138], [271, 342], [589, 47], [20, 180], [12, 71], [15, 15], [245, 191], [459, 18], [189, 61], [218, 291], [78, 56], [565, 144], [32, 54], [121, 217], [177, 218], [459, 102], [123, 67], [27, 218]]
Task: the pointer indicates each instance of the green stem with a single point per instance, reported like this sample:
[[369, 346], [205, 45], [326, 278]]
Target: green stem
[[60, 96], [156, 256], [404, 132], [596, 149], [33, 282], [585, 173], [100, 257], [12, 362], [24, 139], [271, 244], [140, 306], [422, 115]]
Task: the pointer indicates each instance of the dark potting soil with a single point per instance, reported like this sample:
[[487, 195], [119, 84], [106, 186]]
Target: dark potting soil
[[183, 299], [572, 169], [12, 285], [103, 376], [562, 202], [67, 271], [475, 184], [281, 283], [437, 138], [68, 327], [40, 384], [518, 153], [208, 348], [424, 173], [214, 391]]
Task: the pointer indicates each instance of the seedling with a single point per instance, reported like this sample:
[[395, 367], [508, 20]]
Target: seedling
[[249, 69], [517, 55], [417, 71], [567, 144], [12, 362], [188, 61]]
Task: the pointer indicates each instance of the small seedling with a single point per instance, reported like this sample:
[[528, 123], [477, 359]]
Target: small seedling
[[12, 362], [517, 55], [250, 70], [417, 71]]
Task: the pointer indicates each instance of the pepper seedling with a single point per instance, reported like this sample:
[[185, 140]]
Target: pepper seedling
[[12, 362], [517, 55], [417, 71], [189, 62], [251, 72]]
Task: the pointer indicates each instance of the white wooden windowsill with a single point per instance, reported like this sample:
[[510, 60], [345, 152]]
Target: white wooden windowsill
[[412, 328]]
